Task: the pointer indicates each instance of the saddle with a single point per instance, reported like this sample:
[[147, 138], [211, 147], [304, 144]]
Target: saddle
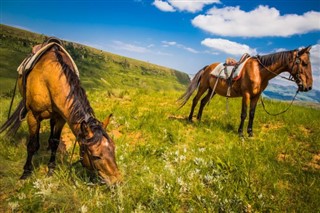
[[230, 70], [37, 51], [30, 61]]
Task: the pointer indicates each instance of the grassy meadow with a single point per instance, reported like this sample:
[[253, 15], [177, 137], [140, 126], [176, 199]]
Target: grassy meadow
[[167, 163]]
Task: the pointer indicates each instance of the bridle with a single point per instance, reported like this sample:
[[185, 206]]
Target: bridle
[[84, 144], [297, 76], [293, 77]]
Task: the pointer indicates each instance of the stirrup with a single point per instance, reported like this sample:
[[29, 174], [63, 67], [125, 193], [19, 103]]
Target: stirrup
[[228, 91]]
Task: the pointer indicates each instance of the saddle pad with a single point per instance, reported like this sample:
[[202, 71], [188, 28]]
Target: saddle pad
[[29, 62], [224, 72]]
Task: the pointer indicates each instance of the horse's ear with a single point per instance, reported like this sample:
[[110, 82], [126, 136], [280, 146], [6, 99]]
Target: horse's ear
[[305, 50], [106, 121], [308, 48]]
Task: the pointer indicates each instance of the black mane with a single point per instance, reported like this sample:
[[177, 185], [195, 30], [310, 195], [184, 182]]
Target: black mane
[[80, 106], [80, 109], [282, 57]]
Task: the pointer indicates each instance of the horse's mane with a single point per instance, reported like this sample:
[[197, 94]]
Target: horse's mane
[[80, 109], [80, 106], [282, 57]]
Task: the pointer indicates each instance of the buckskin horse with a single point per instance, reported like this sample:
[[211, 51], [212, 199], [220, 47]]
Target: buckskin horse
[[252, 81], [51, 90]]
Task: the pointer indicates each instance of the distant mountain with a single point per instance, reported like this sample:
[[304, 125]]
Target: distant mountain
[[286, 93]]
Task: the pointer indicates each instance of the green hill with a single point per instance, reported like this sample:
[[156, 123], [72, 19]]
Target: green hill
[[98, 69]]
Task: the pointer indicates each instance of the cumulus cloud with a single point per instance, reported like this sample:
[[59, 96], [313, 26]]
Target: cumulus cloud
[[163, 6], [228, 47], [262, 21], [183, 5], [173, 43], [315, 63]]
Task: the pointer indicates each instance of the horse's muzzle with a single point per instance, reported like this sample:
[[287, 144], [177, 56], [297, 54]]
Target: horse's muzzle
[[304, 89]]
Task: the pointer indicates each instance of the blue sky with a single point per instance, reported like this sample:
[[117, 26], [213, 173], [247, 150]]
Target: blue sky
[[180, 34]]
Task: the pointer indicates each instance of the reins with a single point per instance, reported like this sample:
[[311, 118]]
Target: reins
[[14, 94], [279, 113], [83, 150], [291, 78], [275, 74]]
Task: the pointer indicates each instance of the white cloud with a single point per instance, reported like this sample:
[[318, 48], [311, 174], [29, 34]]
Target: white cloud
[[169, 43], [228, 47], [129, 47], [262, 21], [315, 63], [183, 5], [163, 6], [173, 43]]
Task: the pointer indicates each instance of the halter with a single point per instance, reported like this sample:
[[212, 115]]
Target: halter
[[296, 78], [84, 144]]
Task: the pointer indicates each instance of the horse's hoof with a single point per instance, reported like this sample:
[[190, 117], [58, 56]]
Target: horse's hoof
[[250, 134], [25, 174], [240, 134]]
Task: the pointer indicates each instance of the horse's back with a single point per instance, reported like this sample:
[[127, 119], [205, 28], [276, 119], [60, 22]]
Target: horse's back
[[210, 68], [46, 86]]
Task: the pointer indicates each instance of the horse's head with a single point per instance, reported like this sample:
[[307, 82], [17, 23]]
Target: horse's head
[[301, 69], [98, 150]]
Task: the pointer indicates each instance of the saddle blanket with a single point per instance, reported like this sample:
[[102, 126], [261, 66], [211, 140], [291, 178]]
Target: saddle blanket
[[29, 62], [224, 71]]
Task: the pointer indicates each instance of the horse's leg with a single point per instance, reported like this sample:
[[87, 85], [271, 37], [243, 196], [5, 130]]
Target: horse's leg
[[245, 102], [52, 123], [56, 124], [33, 144], [204, 101], [195, 100], [253, 104]]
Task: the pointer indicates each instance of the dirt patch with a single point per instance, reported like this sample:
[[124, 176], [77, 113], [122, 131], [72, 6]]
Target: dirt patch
[[177, 117], [282, 157], [67, 140], [136, 137], [115, 133], [268, 127], [305, 131], [314, 163]]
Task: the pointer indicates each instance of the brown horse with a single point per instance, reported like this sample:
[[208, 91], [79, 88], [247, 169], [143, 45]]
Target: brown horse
[[52, 90], [255, 76]]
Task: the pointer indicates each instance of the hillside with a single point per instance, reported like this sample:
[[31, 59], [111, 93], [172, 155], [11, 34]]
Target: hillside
[[98, 69]]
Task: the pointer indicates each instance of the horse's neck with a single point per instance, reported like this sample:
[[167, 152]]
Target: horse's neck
[[274, 70], [75, 121]]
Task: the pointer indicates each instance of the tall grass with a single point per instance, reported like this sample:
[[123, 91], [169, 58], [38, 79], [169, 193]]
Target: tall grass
[[171, 165]]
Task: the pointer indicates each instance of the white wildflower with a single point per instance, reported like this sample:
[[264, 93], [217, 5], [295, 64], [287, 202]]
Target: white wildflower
[[13, 205], [84, 209]]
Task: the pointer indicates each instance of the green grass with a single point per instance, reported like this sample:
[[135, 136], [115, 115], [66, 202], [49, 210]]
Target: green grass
[[167, 163], [171, 165]]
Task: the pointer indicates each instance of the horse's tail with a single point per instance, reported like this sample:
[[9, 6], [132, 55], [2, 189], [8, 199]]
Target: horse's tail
[[13, 123], [194, 84]]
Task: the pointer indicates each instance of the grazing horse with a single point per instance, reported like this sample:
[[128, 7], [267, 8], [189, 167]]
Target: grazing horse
[[52, 90], [254, 78]]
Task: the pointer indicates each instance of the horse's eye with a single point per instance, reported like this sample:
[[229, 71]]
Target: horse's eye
[[94, 157], [304, 63]]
